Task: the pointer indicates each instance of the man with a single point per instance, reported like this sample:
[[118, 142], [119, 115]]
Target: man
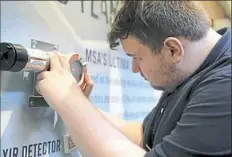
[[174, 48]]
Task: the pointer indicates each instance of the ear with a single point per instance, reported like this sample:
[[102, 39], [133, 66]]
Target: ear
[[174, 50]]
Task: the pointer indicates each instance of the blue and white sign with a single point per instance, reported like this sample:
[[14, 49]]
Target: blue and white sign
[[77, 26]]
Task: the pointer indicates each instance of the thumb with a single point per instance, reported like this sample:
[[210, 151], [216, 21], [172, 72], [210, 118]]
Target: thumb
[[89, 85]]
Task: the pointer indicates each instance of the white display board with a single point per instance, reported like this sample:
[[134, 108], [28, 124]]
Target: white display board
[[81, 27]]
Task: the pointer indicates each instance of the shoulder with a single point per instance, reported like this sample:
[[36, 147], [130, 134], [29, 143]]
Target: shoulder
[[212, 94], [208, 112], [215, 84]]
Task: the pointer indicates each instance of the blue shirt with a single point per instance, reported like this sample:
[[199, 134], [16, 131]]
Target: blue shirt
[[195, 119]]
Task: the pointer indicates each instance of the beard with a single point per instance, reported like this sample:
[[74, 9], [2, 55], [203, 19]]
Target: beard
[[172, 77]]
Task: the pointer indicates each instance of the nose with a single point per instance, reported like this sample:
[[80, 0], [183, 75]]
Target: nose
[[135, 66]]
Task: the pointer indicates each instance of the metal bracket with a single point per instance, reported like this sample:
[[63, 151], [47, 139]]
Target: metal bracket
[[36, 100]]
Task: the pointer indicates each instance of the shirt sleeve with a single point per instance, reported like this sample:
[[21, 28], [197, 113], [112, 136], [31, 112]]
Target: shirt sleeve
[[205, 125]]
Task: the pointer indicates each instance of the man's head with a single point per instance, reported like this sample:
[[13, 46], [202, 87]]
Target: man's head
[[156, 34]]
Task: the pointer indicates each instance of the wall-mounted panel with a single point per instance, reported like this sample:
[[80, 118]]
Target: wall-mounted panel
[[74, 26]]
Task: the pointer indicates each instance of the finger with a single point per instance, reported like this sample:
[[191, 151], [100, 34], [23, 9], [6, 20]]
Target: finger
[[88, 90], [38, 86], [64, 61], [42, 75], [87, 78], [89, 85], [54, 61], [85, 68], [82, 86], [40, 78]]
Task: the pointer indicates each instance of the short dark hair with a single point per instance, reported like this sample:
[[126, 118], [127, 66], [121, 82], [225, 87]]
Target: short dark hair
[[153, 21]]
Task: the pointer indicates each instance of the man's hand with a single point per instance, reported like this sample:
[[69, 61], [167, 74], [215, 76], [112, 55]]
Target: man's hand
[[91, 132], [88, 84], [58, 84]]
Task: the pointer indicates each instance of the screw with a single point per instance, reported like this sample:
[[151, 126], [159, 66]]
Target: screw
[[32, 103], [55, 48]]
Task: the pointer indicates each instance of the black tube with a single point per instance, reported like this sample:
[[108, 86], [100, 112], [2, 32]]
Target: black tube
[[13, 58]]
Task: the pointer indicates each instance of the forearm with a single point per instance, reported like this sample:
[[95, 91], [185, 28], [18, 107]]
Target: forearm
[[132, 130], [92, 133]]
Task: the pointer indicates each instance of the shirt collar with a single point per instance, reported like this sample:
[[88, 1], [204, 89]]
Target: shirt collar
[[220, 48]]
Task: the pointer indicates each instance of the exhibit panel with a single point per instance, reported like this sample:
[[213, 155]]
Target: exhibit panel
[[29, 127]]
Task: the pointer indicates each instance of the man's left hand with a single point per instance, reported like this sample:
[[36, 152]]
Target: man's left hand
[[88, 83]]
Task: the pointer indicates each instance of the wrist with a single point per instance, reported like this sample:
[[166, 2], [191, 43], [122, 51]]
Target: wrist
[[71, 100]]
